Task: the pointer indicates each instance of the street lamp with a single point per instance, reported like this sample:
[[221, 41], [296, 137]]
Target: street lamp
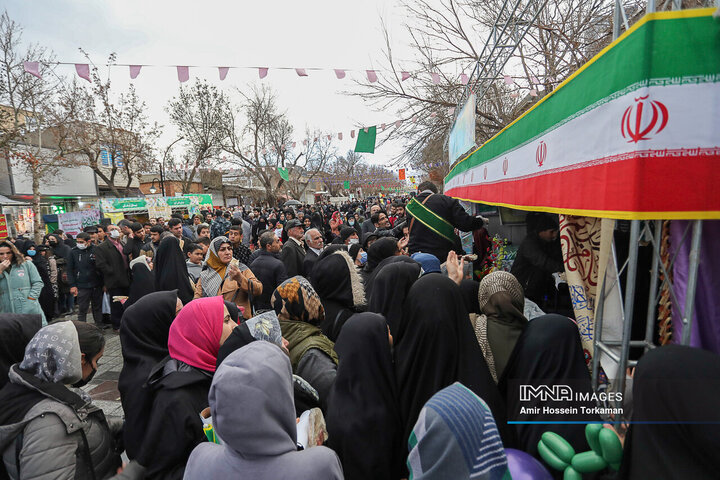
[[152, 187]]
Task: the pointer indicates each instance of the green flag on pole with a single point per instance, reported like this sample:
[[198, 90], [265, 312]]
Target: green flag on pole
[[366, 140], [346, 184], [284, 174]]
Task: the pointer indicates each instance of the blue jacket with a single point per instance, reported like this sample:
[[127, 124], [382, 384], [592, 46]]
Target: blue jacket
[[20, 287]]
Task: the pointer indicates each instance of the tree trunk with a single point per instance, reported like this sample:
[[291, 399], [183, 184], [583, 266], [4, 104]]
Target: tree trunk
[[38, 234]]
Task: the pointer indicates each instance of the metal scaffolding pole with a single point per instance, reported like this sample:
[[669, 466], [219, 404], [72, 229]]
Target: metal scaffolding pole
[[694, 265]]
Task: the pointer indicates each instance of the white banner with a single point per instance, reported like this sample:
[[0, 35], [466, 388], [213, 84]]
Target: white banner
[[73, 223]]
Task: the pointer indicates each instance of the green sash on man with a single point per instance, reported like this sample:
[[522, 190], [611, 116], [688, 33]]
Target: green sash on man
[[431, 220]]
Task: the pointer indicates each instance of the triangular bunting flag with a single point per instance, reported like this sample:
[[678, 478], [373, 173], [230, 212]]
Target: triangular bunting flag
[[435, 78], [33, 68], [301, 72], [340, 74], [346, 184], [401, 174], [223, 71], [339, 135], [366, 140], [183, 73], [262, 72], [134, 71], [405, 75], [352, 133], [464, 79], [83, 70], [371, 75]]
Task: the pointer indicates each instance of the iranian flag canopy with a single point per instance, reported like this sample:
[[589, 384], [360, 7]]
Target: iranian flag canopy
[[633, 134]]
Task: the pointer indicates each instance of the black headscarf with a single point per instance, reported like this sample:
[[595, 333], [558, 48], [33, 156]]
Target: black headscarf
[[363, 419], [234, 312], [549, 350], [144, 340], [239, 337], [59, 249], [470, 295], [339, 286], [143, 282], [391, 287], [436, 347], [679, 384], [171, 269], [370, 279], [16, 330], [379, 251]]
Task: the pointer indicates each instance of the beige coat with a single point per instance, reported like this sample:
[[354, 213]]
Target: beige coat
[[231, 292]]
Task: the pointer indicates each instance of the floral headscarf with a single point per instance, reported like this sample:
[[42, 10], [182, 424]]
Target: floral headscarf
[[296, 300]]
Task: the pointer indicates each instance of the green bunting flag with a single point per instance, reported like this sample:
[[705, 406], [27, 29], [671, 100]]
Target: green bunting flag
[[366, 140], [284, 174], [382, 188], [346, 185]]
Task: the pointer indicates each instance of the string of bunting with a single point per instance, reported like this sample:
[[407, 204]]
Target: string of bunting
[[183, 72]]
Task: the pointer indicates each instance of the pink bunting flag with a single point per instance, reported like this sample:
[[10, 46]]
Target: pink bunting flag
[[339, 135], [533, 93], [398, 123], [83, 70], [134, 71], [340, 74], [294, 144], [405, 76], [514, 95], [264, 151], [435, 78], [534, 80], [223, 71], [371, 75], [451, 111], [382, 127], [464, 79], [183, 73], [305, 142], [433, 114], [262, 72], [33, 68], [352, 133], [329, 137], [301, 72]]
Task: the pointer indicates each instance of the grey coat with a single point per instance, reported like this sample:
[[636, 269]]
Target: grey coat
[[251, 402]]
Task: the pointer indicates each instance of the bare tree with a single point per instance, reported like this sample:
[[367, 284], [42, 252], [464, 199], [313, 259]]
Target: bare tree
[[317, 153], [198, 113], [28, 115], [114, 138], [448, 36]]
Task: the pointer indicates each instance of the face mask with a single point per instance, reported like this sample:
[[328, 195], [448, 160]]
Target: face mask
[[82, 246], [31, 253], [351, 222], [353, 241], [84, 382], [363, 258], [115, 234]]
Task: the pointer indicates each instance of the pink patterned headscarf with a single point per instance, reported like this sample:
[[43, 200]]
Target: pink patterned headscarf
[[195, 333]]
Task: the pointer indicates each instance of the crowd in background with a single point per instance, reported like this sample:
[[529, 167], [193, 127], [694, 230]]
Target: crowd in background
[[310, 341]]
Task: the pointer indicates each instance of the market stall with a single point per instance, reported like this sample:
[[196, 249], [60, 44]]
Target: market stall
[[633, 134], [154, 207]]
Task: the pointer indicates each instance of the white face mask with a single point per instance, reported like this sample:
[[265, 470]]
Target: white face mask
[[82, 246], [354, 241], [114, 234]]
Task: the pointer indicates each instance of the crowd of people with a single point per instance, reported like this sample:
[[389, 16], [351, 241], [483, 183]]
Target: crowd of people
[[235, 323]]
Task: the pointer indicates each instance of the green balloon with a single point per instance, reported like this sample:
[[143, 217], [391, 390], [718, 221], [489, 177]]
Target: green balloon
[[571, 474], [592, 430], [559, 446], [588, 462], [612, 449], [550, 458]]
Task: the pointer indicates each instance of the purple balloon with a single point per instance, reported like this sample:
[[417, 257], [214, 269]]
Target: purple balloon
[[524, 466]]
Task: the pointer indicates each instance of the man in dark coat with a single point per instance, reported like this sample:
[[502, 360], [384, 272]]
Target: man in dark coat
[[433, 235], [293, 252], [368, 225], [113, 265], [538, 257], [85, 281], [268, 268], [315, 242]]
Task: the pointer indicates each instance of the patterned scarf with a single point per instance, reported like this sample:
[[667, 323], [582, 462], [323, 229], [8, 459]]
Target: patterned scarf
[[215, 272]]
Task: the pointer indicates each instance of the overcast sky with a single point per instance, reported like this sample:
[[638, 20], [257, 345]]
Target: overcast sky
[[316, 33]]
